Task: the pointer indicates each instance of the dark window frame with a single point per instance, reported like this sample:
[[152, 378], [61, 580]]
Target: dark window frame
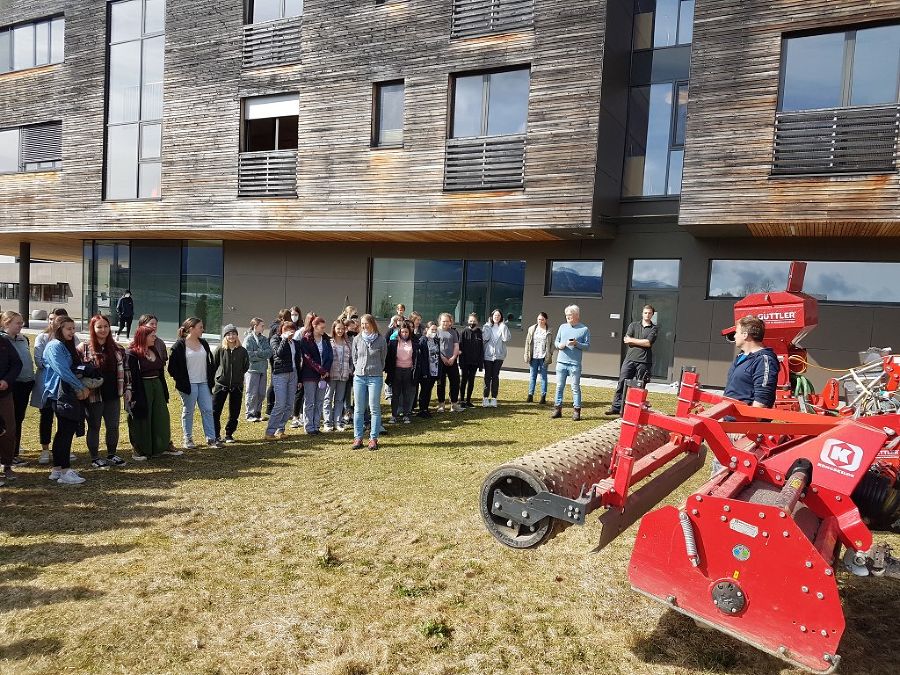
[[249, 7], [548, 278], [485, 97], [242, 139], [34, 23], [21, 165], [677, 43], [377, 88]]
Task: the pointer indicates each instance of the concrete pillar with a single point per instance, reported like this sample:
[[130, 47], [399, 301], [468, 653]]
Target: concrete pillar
[[24, 280]]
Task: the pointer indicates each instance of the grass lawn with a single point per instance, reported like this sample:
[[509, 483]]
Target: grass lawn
[[306, 557]]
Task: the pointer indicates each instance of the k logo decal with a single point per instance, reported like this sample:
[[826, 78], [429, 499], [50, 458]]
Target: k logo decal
[[841, 455]]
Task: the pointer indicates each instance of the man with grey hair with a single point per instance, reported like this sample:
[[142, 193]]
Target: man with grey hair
[[572, 339]]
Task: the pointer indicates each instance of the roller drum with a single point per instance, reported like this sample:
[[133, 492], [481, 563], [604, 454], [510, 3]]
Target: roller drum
[[563, 468]]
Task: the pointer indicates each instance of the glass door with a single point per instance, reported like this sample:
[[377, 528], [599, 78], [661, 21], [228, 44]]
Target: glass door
[[655, 282]]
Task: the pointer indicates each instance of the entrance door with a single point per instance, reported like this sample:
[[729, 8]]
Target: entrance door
[[655, 282]]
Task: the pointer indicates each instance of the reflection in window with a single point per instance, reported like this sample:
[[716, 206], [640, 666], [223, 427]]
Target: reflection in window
[[575, 277], [388, 115], [32, 44], [37, 147], [817, 74], [650, 274], [663, 23], [490, 104], [872, 282], [654, 153], [202, 283], [135, 99], [271, 123], [9, 151], [270, 10]]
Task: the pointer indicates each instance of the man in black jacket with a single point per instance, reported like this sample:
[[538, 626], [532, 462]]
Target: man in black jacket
[[638, 362], [125, 310]]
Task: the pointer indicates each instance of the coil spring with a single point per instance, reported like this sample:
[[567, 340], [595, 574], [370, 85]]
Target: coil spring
[[690, 544]]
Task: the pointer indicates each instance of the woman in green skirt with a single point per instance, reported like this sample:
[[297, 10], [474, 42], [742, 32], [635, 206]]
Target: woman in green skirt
[[149, 429]]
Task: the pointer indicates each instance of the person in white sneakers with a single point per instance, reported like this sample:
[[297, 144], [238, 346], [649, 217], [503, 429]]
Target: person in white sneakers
[[496, 335], [65, 393]]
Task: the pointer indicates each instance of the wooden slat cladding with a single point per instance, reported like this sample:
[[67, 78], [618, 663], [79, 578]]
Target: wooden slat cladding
[[345, 188], [473, 18], [491, 163], [268, 174], [843, 140], [273, 43], [728, 185]]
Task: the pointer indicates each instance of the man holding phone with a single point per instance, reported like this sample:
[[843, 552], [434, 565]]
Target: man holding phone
[[572, 339]]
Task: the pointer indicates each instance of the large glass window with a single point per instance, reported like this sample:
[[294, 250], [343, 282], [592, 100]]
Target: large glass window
[[37, 147], [578, 278], [654, 155], [9, 151], [863, 282], [156, 282], [202, 283], [490, 104], [32, 44], [851, 68], [654, 274], [135, 99], [457, 286], [270, 10], [663, 23], [270, 122], [388, 115]]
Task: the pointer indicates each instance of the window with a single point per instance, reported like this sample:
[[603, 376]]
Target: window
[[135, 99], [852, 68], [663, 23], [654, 274], [577, 278], [59, 292], [32, 44], [270, 122], [849, 282], [490, 104], [33, 148], [655, 143], [201, 282], [431, 287], [270, 10], [388, 115]]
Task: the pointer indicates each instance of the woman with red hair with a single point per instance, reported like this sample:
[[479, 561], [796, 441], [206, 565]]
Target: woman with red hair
[[149, 428]]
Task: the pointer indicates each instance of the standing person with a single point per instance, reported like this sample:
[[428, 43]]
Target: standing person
[[753, 376], [10, 367], [191, 366], [368, 356], [496, 335], [352, 325], [259, 351], [274, 331], [538, 355], [401, 355], [284, 379], [11, 328], [125, 310], [471, 359], [64, 393], [149, 426], [104, 405], [449, 338], [156, 342], [401, 312], [38, 400], [298, 420], [231, 362], [638, 363], [418, 330], [429, 367], [315, 349], [572, 339], [333, 407]]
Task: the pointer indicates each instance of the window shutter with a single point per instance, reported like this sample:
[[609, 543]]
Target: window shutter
[[42, 143]]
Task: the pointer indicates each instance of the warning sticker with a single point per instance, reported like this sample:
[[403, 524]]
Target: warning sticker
[[741, 552], [743, 527]]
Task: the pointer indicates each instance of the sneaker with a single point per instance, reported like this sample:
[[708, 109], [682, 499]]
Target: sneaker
[[252, 418], [612, 411], [373, 444], [456, 407], [115, 460], [9, 474], [45, 458], [272, 437], [214, 443], [173, 453], [485, 403], [19, 461], [440, 407], [138, 457], [357, 444], [296, 423], [327, 428], [100, 463], [55, 474], [73, 457], [493, 403], [230, 439], [70, 477], [279, 435], [188, 444], [341, 427], [406, 420], [393, 420]]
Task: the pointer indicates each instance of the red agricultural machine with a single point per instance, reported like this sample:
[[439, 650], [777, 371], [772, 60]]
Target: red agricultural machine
[[753, 552]]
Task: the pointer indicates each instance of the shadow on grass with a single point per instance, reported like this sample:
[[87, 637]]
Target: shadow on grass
[[32, 557], [25, 597], [23, 649]]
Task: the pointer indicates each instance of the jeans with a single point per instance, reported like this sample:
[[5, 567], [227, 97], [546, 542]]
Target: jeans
[[313, 403], [630, 370], [234, 409], [537, 367], [107, 412], [367, 388], [333, 406], [285, 386], [450, 373], [202, 396], [255, 384], [492, 378], [563, 372], [403, 400]]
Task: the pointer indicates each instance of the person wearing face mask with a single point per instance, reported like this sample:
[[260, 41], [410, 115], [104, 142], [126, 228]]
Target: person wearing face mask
[[427, 367], [496, 335], [471, 359]]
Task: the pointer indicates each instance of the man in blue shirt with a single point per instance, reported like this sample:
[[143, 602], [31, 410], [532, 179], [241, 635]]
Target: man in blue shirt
[[572, 339], [753, 375]]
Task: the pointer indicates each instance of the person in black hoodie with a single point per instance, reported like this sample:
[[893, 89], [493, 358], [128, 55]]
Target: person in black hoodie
[[191, 366], [427, 367], [10, 367], [471, 359], [125, 310]]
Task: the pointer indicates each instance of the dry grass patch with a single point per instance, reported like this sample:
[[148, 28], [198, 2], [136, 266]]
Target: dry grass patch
[[307, 557]]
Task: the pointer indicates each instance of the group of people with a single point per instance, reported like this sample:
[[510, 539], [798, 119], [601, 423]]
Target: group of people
[[304, 373]]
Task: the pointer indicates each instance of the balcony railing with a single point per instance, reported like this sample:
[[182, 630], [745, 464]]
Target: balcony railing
[[838, 140], [272, 173], [485, 17], [273, 43], [485, 163]]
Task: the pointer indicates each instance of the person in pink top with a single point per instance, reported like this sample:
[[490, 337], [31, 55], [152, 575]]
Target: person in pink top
[[399, 368]]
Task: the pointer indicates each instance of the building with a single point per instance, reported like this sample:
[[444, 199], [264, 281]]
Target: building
[[51, 285], [229, 159]]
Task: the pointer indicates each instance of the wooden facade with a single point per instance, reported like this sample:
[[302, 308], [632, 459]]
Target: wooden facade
[[728, 188], [345, 189]]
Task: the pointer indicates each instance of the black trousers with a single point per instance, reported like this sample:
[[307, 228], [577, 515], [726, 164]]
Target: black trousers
[[492, 378], [631, 370], [402, 400], [125, 325], [21, 392], [450, 373], [298, 400], [425, 387], [62, 441], [467, 382], [45, 428], [234, 397]]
